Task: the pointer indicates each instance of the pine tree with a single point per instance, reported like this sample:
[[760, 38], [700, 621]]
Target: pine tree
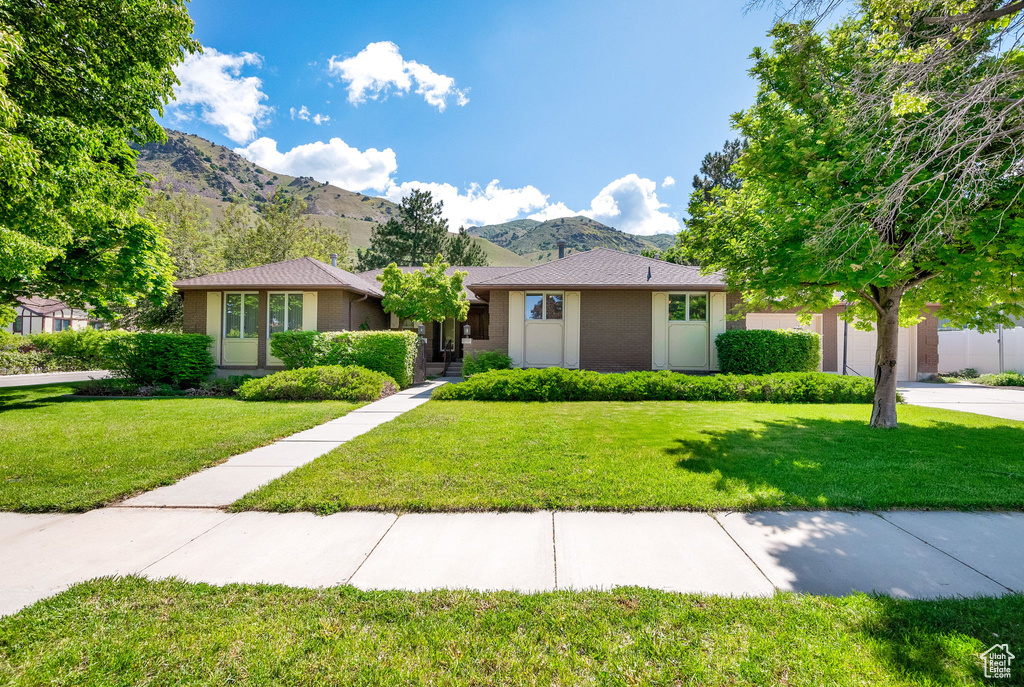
[[415, 237], [463, 250]]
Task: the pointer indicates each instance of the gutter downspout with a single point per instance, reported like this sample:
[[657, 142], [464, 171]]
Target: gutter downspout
[[846, 341], [999, 328], [350, 304]]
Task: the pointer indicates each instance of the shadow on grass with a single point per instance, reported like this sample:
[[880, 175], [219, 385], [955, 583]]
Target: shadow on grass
[[22, 398], [823, 463]]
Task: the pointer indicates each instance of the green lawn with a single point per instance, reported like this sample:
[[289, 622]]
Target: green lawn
[[72, 454], [134, 632], [514, 456]]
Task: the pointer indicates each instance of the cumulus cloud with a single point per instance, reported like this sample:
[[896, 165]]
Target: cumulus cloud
[[213, 88], [669, 181], [379, 68], [631, 204], [477, 204], [304, 114], [335, 162]]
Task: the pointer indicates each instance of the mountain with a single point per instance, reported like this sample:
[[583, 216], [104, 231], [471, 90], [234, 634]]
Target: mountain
[[536, 240], [220, 177]]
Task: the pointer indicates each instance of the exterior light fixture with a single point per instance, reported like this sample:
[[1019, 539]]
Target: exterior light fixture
[[466, 331], [421, 329]]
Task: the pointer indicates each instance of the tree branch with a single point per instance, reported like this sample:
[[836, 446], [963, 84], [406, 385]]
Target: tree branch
[[975, 17]]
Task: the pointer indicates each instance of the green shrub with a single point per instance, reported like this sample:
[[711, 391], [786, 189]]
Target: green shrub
[[558, 384], [85, 348], [393, 353], [176, 359], [482, 361], [1002, 379], [15, 362], [763, 351], [966, 373], [323, 383]]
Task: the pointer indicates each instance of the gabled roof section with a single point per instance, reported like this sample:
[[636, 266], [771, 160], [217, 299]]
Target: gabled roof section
[[604, 268], [301, 273], [40, 305], [473, 275]]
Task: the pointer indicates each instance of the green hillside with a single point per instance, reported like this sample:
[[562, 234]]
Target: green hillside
[[220, 177], [537, 240]]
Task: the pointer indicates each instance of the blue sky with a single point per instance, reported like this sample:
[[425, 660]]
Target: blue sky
[[571, 106]]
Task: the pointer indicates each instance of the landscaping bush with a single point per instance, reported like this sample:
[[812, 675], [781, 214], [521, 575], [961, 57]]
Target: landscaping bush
[[322, 383], [764, 351], [176, 359], [559, 384], [83, 348], [482, 361], [1002, 379], [115, 386], [393, 353], [966, 373]]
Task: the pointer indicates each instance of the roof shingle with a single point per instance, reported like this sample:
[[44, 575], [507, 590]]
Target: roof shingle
[[300, 273]]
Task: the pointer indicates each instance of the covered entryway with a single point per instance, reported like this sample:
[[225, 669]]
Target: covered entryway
[[684, 326], [544, 328]]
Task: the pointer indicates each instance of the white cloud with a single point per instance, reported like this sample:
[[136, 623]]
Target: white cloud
[[669, 181], [304, 114], [477, 205], [213, 88], [553, 211], [335, 162], [380, 67], [629, 204]]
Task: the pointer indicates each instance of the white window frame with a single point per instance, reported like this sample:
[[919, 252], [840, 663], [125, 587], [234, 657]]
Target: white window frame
[[241, 328], [690, 294], [301, 296], [544, 300]]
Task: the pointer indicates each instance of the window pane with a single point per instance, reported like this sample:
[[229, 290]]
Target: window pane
[[534, 306], [18, 324], [677, 307], [554, 306], [276, 306], [249, 312], [233, 316], [294, 312], [698, 308]]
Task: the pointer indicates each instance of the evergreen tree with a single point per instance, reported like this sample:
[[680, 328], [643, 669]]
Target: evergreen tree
[[463, 250], [716, 169], [419, 233]]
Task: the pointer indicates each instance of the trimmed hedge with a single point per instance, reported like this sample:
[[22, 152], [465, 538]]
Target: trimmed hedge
[[764, 351], [393, 353], [175, 359], [324, 383], [1010, 378], [559, 384], [80, 349], [482, 361]]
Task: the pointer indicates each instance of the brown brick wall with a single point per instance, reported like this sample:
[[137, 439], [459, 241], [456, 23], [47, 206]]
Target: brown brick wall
[[615, 330], [830, 327], [370, 312], [497, 339], [928, 344], [331, 310], [732, 300], [194, 310], [262, 327]]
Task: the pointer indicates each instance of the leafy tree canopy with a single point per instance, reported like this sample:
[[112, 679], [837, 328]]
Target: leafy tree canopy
[[811, 225], [79, 80], [427, 295], [418, 233]]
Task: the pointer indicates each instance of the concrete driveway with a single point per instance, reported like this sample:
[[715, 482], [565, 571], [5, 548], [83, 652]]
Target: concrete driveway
[[1006, 403], [51, 378]]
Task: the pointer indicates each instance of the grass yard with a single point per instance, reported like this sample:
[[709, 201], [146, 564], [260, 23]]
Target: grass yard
[[462, 455], [132, 631], [73, 454]]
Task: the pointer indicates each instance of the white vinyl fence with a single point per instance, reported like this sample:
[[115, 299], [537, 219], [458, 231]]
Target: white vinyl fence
[[963, 348]]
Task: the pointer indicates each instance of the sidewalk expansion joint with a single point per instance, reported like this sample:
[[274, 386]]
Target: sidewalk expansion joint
[[714, 516], [370, 553]]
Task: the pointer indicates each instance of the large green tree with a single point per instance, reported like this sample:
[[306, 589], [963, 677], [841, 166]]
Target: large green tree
[[79, 82], [814, 223], [425, 295], [280, 231], [716, 168], [418, 234]]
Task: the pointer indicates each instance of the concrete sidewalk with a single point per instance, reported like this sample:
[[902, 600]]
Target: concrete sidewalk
[[904, 554], [969, 398], [224, 484], [51, 378]]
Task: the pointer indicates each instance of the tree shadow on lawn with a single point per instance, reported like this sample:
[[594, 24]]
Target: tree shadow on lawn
[[823, 463], [18, 398]]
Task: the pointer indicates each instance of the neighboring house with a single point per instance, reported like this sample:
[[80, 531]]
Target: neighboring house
[[961, 348], [35, 315], [600, 310]]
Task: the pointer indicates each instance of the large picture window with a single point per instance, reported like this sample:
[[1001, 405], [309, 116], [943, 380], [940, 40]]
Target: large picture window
[[688, 307], [544, 305], [285, 312], [240, 312]]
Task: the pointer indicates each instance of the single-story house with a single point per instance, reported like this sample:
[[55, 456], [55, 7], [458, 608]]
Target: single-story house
[[601, 310], [36, 314]]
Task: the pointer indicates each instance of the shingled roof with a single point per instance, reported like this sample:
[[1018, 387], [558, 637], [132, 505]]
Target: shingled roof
[[605, 269], [42, 306], [473, 275], [301, 273]]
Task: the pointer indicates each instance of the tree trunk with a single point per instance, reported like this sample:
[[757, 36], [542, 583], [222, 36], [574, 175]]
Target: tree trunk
[[883, 412]]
